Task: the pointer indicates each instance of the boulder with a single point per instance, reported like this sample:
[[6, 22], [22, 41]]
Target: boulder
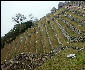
[[71, 56]]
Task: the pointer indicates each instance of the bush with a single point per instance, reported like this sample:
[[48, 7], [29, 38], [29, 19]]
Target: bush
[[13, 33]]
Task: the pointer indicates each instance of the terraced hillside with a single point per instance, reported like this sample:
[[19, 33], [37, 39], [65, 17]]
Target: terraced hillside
[[63, 29]]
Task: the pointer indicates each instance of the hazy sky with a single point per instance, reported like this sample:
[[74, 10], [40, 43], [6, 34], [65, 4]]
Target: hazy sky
[[10, 8]]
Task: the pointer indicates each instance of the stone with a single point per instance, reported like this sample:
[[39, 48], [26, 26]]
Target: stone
[[22, 53], [68, 42], [71, 56], [5, 60], [36, 41], [82, 48], [37, 32]]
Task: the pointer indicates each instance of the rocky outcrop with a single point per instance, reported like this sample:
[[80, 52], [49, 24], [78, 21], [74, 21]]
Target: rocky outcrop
[[71, 56], [25, 61]]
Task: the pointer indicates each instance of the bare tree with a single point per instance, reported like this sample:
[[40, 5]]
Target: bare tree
[[19, 18]]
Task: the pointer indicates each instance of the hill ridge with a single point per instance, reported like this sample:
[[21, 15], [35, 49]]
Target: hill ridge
[[52, 31]]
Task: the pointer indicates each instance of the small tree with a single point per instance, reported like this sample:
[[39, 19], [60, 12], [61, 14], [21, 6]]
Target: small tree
[[19, 18]]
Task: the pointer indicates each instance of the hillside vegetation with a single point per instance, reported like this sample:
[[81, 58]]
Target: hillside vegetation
[[13, 33], [63, 29]]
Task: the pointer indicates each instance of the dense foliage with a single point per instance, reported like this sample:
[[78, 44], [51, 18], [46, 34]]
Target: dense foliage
[[13, 33]]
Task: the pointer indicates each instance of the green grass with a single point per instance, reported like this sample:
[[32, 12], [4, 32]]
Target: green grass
[[61, 62], [39, 43]]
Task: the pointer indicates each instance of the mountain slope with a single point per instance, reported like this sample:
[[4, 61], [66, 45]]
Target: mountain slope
[[59, 29]]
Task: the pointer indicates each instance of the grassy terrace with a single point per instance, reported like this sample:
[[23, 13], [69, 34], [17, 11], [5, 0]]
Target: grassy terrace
[[82, 28], [44, 37], [28, 38], [52, 35], [39, 45], [60, 62], [59, 33], [67, 28], [47, 33], [15, 47], [75, 15], [73, 22], [78, 44], [33, 41], [61, 36]]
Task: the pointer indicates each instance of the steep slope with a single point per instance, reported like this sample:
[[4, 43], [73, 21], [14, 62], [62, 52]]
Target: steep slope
[[59, 29], [61, 62]]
